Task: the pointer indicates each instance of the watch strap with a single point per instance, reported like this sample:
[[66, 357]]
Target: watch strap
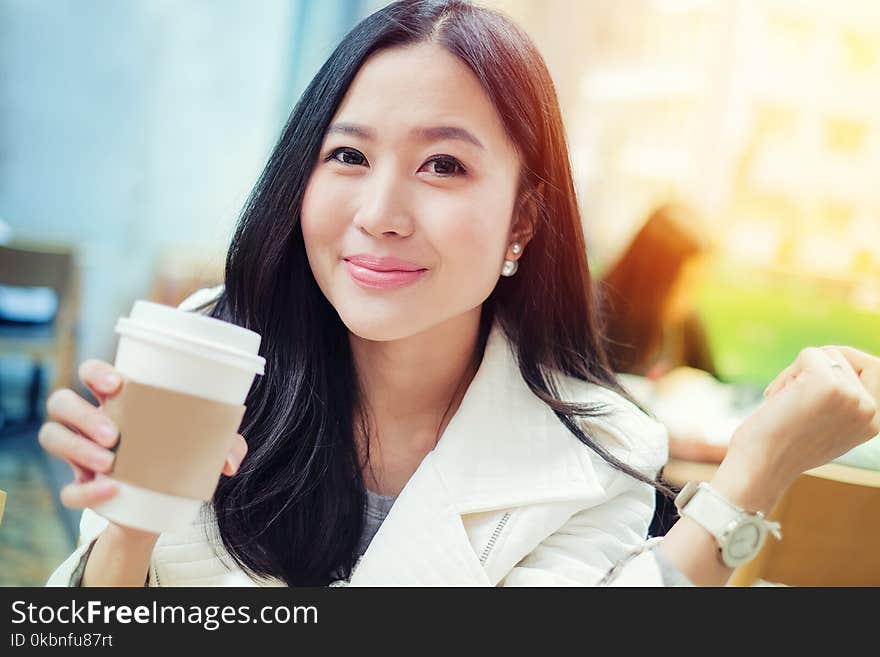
[[714, 513]]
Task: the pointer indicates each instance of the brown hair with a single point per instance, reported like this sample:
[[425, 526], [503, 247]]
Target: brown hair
[[638, 289]]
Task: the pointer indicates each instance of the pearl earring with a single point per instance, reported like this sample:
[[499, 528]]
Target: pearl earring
[[510, 266]]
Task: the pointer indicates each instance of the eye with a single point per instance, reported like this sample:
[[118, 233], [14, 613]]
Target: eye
[[446, 166], [349, 156]]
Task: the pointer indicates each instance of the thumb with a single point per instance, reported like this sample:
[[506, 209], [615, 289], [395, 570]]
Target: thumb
[[235, 455]]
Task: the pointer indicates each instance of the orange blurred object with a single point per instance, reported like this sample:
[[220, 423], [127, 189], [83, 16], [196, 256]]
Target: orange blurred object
[[178, 275]]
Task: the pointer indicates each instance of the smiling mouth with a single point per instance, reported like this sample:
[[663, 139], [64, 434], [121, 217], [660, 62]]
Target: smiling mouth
[[382, 263], [385, 279], [384, 269]]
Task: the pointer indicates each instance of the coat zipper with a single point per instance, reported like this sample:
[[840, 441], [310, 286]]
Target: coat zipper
[[494, 537]]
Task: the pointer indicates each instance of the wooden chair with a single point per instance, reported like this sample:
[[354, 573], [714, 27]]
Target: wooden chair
[[41, 265], [831, 532], [830, 528]]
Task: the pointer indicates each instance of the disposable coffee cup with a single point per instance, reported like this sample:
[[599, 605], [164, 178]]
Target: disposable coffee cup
[[186, 377]]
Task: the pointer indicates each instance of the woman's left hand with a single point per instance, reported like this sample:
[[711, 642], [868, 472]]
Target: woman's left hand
[[818, 408]]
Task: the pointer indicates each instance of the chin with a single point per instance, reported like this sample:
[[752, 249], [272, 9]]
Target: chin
[[379, 327]]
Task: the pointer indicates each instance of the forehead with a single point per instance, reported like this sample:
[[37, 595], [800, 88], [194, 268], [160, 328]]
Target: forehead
[[408, 87]]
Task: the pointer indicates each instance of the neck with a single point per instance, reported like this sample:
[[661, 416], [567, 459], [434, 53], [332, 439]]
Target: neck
[[411, 387]]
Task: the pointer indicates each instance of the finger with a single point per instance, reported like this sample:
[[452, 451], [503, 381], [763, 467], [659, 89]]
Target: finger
[[78, 496], [815, 359], [59, 440], [101, 378], [69, 408], [81, 475], [870, 378], [858, 359], [779, 382], [858, 386], [774, 383], [866, 367], [235, 456], [845, 369], [810, 358]]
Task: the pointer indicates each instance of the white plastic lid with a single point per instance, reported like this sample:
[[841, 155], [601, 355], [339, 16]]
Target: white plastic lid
[[194, 330], [195, 346]]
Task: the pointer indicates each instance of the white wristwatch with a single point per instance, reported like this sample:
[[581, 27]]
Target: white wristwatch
[[740, 534]]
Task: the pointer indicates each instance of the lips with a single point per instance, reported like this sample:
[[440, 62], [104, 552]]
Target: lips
[[383, 272], [378, 263]]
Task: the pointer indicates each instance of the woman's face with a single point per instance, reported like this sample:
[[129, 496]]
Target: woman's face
[[415, 167]]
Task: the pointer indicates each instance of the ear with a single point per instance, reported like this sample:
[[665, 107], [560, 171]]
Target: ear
[[525, 220]]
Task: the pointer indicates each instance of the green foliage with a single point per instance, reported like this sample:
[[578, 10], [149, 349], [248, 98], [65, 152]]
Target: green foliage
[[758, 322]]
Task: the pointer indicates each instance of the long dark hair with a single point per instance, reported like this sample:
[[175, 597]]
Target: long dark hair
[[294, 510]]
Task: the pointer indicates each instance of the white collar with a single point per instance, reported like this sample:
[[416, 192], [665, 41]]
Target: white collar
[[503, 448]]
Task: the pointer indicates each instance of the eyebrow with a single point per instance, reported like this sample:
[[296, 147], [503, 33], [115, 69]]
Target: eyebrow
[[432, 133]]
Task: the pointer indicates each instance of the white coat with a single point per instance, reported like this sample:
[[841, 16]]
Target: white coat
[[508, 497]]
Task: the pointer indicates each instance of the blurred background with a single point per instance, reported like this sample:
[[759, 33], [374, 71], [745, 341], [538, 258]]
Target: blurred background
[[131, 133]]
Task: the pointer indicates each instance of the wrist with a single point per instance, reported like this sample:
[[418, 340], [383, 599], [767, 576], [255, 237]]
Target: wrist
[[131, 537], [749, 485], [739, 534], [120, 557]]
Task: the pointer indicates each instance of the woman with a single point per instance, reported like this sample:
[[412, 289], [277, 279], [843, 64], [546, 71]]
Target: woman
[[414, 260], [651, 324]]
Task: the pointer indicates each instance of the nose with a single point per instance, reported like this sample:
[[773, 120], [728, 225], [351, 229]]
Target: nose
[[384, 208]]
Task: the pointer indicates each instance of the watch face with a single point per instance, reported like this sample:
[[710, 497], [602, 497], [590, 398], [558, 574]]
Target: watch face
[[744, 542]]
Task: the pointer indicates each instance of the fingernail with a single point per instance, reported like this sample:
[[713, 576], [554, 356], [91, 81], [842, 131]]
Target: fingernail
[[104, 486], [102, 460], [107, 431], [111, 380]]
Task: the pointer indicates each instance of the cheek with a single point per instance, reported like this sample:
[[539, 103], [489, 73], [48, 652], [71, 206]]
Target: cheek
[[313, 206], [472, 237], [322, 220]]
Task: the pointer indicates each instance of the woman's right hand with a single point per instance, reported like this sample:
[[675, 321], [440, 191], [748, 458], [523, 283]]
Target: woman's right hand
[[82, 435]]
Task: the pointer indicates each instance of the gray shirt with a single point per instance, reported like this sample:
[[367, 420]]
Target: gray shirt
[[378, 507]]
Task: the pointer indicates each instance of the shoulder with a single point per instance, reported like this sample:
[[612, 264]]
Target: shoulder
[[200, 297], [620, 426]]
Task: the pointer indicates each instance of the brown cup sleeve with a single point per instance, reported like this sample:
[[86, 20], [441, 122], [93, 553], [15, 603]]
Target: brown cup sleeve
[[171, 442]]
